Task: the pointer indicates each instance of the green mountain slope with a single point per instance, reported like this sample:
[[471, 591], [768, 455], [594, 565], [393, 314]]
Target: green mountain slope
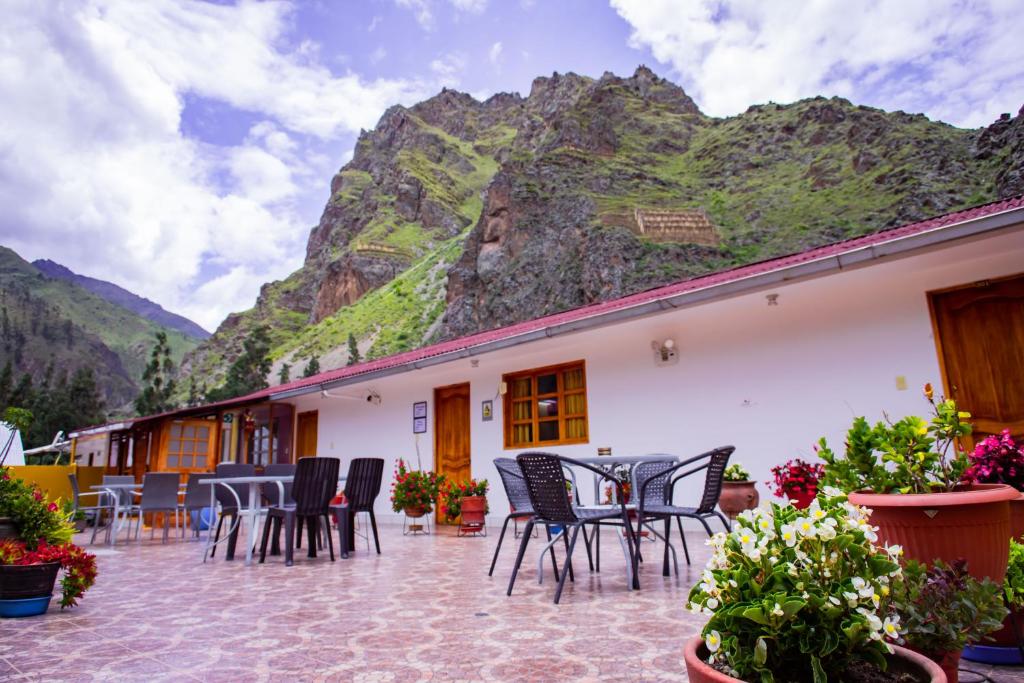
[[46, 320], [455, 216]]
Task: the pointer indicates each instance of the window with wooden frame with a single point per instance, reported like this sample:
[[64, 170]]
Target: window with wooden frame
[[188, 445], [546, 406]]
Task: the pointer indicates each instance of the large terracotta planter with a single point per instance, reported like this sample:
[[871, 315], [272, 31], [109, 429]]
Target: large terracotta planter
[[415, 511], [1017, 516], [973, 524], [695, 655], [473, 520], [738, 496]]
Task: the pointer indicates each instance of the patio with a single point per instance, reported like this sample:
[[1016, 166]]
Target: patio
[[424, 610]]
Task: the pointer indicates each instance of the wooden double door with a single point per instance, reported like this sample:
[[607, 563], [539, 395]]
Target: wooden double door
[[451, 433], [980, 336]]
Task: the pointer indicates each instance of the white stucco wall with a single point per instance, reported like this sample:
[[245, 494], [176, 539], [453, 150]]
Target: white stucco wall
[[767, 379]]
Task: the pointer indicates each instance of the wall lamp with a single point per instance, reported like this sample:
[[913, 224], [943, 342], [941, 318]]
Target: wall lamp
[[665, 352]]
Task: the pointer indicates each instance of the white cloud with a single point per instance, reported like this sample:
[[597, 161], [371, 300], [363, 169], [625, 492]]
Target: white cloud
[[958, 62], [425, 10], [374, 23], [471, 6], [448, 68], [378, 55], [98, 174], [494, 54]]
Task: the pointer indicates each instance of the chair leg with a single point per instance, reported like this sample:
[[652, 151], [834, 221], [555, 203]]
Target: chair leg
[[568, 553], [167, 524], [682, 536], [668, 530], [298, 537], [632, 544], [233, 537], [586, 542], [312, 531], [519, 556], [216, 536], [263, 544], [725, 522], [342, 534], [707, 528], [501, 536], [554, 562], [373, 525], [275, 541], [597, 547], [289, 540], [568, 561], [327, 533]]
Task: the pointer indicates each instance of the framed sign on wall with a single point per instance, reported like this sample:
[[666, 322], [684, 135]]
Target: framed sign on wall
[[419, 417]]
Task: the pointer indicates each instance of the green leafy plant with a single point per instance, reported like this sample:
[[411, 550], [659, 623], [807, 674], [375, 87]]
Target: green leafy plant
[[452, 495], [35, 519], [735, 472], [1013, 584], [797, 595], [911, 455], [414, 489], [943, 608]]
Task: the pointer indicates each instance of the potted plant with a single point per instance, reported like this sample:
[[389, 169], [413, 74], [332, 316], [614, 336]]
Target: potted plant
[[1003, 649], [943, 608], [796, 595], [468, 497], [796, 480], [910, 474], [414, 492], [29, 563], [1000, 460], [739, 492]]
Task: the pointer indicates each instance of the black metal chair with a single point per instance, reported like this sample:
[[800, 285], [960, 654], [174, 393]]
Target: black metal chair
[[104, 503], [159, 494], [519, 502], [545, 484], [654, 486], [362, 486], [229, 501], [316, 480]]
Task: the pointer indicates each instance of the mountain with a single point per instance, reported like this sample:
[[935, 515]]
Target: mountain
[[456, 215], [46, 320], [123, 298]]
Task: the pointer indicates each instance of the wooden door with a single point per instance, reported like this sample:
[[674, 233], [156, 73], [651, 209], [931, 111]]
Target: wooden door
[[305, 442], [980, 336], [451, 433]]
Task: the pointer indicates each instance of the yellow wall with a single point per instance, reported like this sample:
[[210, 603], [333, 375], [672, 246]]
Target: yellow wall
[[53, 479]]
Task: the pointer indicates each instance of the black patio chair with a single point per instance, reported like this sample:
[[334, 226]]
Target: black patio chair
[[362, 486], [316, 480], [271, 492], [545, 484], [104, 503], [655, 485], [229, 502]]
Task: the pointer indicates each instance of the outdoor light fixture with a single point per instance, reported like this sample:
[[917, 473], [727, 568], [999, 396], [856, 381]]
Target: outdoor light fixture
[[773, 299], [665, 352]]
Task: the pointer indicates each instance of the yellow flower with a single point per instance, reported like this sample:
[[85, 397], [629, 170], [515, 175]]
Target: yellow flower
[[964, 415], [928, 393]]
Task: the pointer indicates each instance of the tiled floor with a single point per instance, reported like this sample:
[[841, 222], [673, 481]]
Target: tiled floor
[[425, 610]]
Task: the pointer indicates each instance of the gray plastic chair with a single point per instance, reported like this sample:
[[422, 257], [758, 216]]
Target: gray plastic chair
[[103, 504], [125, 499], [159, 494], [197, 498]]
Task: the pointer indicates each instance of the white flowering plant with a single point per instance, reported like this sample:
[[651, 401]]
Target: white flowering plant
[[796, 595], [735, 472]]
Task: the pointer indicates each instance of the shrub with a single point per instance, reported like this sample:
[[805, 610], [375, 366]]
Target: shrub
[[452, 495], [911, 455], [35, 519], [414, 489], [795, 477], [1013, 584], [797, 595], [997, 460]]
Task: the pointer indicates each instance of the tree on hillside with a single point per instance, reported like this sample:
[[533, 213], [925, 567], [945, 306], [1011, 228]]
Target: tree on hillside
[[6, 384], [158, 380], [194, 396], [249, 371], [60, 405], [312, 367], [284, 375], [353, 350]]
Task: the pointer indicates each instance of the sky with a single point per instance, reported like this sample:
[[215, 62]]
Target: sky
[[184, 149]]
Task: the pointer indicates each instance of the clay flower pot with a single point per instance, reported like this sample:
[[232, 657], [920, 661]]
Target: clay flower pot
[[973, 524], [414, 511], [695, 655], [738, 496]]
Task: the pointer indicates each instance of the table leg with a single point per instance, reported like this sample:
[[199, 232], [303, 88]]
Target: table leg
[[254, 514], [115, 523], [213, 521]]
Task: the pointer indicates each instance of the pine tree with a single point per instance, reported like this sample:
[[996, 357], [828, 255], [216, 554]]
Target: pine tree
[[284, 375], [6, 385], [312, 367], [158, 380], [194, 397], [353, 350], [249, 371]]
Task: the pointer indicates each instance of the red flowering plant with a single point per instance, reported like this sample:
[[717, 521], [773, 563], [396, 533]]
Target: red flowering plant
[[795, 478], [997, 460], [414, 489], [79, 566], [452, 495], [45, 530]]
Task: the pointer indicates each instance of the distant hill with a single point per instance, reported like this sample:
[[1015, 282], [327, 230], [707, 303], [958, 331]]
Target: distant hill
[[46, 320], [122, 297]]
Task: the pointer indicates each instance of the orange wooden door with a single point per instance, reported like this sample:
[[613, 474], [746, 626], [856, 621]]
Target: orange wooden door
[[980, 335], [305, 442], [451, 433]]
